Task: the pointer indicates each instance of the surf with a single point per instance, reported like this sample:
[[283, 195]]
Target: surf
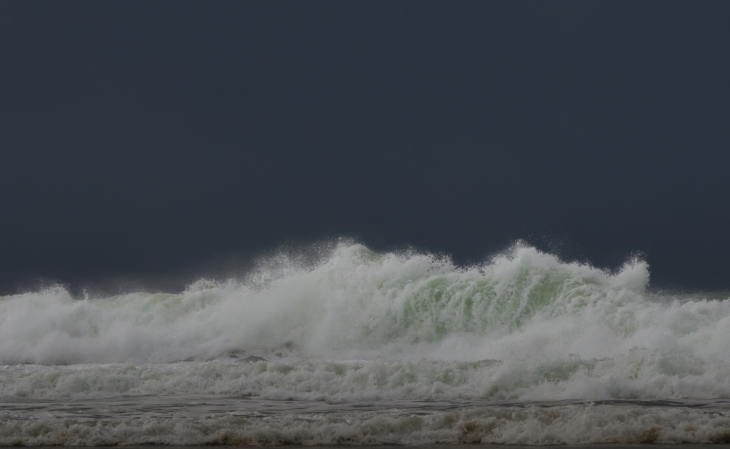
[[354, 324]]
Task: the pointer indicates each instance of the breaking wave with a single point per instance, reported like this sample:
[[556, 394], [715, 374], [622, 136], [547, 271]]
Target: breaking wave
[[357, 324]]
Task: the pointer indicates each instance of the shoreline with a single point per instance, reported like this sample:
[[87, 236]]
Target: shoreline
[[437, 446]]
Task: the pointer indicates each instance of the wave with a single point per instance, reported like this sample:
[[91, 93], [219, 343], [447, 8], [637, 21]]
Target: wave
[[359, 324], [641, 374]]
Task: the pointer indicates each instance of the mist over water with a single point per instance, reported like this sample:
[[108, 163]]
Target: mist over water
[[411, 349]]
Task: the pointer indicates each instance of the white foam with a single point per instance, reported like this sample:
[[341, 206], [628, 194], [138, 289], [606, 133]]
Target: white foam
[[417, 322], [641, 374]]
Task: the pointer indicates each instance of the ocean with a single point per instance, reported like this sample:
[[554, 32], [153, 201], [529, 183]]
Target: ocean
[[341, 345]]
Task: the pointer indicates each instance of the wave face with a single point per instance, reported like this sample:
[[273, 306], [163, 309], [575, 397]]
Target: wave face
[[356, 326]]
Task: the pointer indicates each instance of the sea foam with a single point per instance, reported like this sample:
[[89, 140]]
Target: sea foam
[[496, 425], [355, 326]]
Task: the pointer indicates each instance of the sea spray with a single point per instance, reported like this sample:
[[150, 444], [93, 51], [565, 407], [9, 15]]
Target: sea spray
[[354, 301], [455, 347]]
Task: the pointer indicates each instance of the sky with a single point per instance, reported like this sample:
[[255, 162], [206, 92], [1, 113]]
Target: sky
[[148, 143]]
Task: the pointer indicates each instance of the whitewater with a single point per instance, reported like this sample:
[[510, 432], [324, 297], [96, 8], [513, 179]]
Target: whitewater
[[356, 347]]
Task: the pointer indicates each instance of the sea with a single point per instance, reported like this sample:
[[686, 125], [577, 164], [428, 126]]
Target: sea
[[352, 347]]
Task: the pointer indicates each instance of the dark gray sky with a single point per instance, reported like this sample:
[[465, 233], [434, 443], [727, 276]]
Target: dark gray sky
[[161, 140]]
